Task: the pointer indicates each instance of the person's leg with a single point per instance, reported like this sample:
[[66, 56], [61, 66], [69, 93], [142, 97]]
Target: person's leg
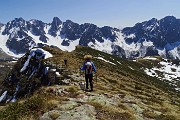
[[91, 81], [86, 78]]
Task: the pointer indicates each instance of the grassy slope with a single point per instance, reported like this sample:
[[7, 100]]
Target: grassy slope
[[126, 78], [122, 79]]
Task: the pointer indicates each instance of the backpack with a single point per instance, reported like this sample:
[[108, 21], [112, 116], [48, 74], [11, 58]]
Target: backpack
[[88, 67]]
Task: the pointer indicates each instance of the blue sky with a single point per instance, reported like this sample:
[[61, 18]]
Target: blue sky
[[115, 13]]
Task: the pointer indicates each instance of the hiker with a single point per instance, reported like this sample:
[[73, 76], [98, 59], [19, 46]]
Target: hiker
[[65, 62], [88, 67]]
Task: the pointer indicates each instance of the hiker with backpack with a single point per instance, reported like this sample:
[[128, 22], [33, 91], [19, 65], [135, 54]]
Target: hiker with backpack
[[88, 68], [65, 62]]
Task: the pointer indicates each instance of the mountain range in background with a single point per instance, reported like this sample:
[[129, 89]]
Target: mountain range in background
[[149, 38], [145, 88]]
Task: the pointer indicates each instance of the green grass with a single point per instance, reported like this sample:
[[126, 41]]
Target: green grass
[[112, 79], [137, 75], [150, 114], [33, 106]]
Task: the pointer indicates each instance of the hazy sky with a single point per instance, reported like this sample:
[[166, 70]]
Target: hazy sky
[[115, 13]]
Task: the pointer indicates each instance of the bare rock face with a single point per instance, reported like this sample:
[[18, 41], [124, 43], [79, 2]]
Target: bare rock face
[[28, 74]]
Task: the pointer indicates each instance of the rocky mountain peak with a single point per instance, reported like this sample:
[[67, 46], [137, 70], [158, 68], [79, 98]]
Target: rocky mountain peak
[[36, 22], [169, 19], [14, 25], [71, 30], [55, 26], [152, 37], [56, 21]]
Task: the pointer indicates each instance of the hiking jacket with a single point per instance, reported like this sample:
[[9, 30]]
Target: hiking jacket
[[84, 67]]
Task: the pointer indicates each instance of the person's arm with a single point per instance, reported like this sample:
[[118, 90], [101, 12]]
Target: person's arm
[[94, 68], [83, 67]]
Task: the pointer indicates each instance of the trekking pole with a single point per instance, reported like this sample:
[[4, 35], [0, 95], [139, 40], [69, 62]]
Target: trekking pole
[[95, 75], [96, 78], [80, 70]]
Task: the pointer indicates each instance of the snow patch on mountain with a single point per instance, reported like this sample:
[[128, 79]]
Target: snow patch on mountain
[[175, 53], [151, 72], [35, 38], [71, 47], [55, 41], [144, 39], [162, 52], [166, 71], [131, 36], [101, 58], [3, 40], [38, 53], [44, 53], [14, 31], [150, 58], [131, 48], [147, 43], [102, 46], [127, 47]]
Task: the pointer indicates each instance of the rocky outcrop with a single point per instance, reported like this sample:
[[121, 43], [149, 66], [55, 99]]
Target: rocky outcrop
[[70, 111], [29, 73]]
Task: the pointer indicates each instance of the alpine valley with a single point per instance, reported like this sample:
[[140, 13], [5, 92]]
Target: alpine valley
[[149, 38]]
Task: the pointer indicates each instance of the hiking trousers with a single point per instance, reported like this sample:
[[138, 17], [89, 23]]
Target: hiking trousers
[[89, 78]]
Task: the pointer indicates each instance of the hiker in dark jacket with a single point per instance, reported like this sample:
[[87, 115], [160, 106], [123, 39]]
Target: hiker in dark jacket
[[88, 67], [65, 62]]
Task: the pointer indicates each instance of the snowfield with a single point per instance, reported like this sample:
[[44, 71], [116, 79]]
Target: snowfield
[[3, 40], [44, 52], [167, 72], [55, 41], [150, 58], [101, 58]]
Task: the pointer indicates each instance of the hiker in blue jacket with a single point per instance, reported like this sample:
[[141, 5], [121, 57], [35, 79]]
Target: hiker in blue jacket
[[88, 67]]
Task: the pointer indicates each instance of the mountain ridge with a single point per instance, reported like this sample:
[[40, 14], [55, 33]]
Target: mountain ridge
[[122, 89], [148, 38]]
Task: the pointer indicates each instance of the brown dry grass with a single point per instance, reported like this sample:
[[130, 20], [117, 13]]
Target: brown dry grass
[[111, 112], [120, 80]]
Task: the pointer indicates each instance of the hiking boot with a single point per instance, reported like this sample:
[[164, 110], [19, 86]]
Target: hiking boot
[[90, 90], [86, 90]]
